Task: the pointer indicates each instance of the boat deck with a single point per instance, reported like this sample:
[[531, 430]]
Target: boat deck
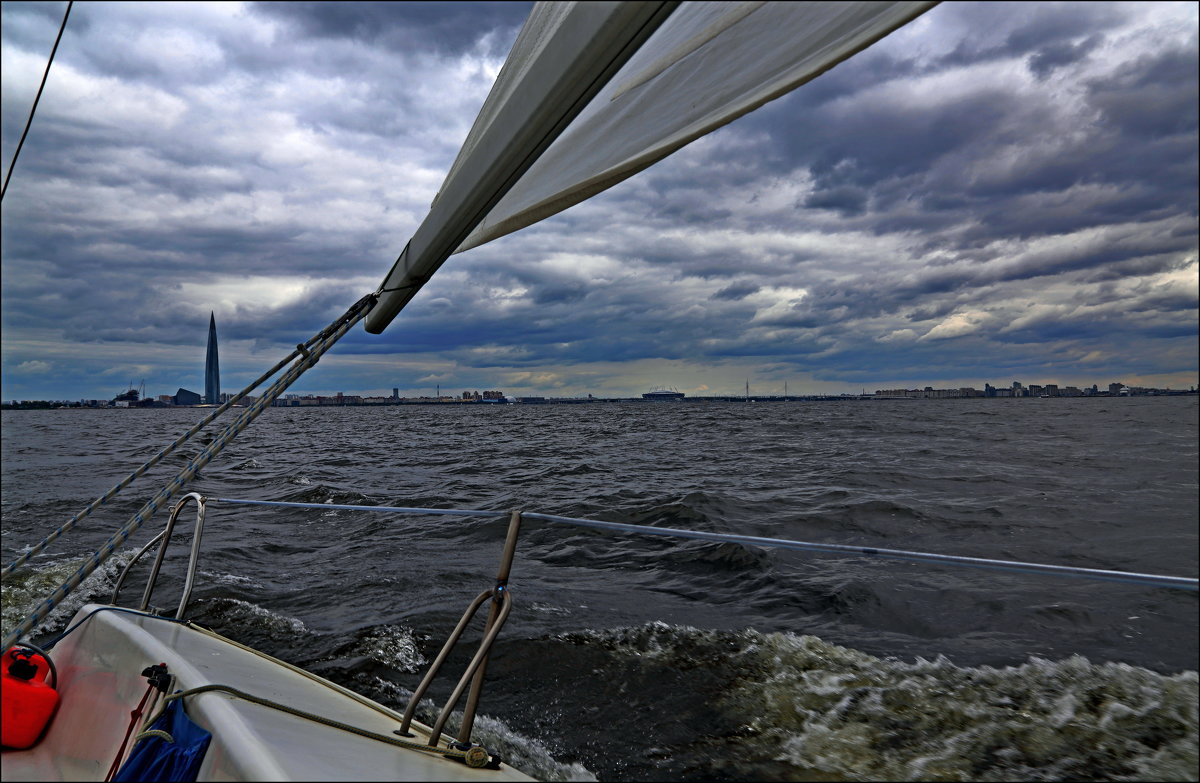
[[99, 673]]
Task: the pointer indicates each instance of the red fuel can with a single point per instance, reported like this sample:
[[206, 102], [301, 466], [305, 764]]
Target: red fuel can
[[27, 703]]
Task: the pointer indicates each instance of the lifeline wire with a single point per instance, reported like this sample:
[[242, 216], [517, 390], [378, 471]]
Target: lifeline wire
[[352, 316], [1151, 580]]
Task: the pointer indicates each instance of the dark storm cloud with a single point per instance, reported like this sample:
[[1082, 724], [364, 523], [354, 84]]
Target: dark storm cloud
[[734, 292], [174, 178], [998, 188], [887, 167], [416, 25], [1045, 31], [888, 154], [1151, 98], [846, 199], [1054, 55]]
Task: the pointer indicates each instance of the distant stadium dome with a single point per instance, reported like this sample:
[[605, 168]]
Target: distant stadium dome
[[663, 393]]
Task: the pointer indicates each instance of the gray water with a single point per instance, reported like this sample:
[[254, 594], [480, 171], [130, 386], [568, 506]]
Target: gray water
[[636, 657]]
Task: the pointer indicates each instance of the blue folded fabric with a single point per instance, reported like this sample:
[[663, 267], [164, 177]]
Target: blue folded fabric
[[154, 758]]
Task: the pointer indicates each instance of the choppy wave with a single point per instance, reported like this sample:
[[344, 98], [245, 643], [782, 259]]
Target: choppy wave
[[394, 647], [236, 612], [25, 589], [828, 710], [529, 755], [532, 756]]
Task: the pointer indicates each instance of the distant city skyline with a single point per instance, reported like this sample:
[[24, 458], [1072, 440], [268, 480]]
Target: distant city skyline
[[987, 389]]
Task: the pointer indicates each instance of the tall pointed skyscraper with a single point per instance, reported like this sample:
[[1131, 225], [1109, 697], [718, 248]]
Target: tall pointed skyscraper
[[212, 369]]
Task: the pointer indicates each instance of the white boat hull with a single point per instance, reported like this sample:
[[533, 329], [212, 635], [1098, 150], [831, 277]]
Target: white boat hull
[[100, 680]]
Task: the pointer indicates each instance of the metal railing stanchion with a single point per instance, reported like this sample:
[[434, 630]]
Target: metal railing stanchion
[[510, 548], [164, 539], [498, 613]]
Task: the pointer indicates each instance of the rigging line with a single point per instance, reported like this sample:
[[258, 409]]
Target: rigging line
[[37, 98], [355, 314], [147, 511], [67, 526], [70, 524]]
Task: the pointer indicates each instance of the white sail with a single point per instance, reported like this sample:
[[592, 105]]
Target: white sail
[[565, 53], [707, 64]]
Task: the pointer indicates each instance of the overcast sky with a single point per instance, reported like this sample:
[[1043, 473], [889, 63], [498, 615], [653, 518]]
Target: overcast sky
[[995, 192]]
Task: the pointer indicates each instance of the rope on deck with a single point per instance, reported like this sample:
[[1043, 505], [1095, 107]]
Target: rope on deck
[[476, 756], [332, 334]]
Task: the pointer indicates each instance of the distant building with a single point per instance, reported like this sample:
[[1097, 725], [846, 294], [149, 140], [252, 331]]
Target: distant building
[[663, 394], [212, 370], [185, 397]]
